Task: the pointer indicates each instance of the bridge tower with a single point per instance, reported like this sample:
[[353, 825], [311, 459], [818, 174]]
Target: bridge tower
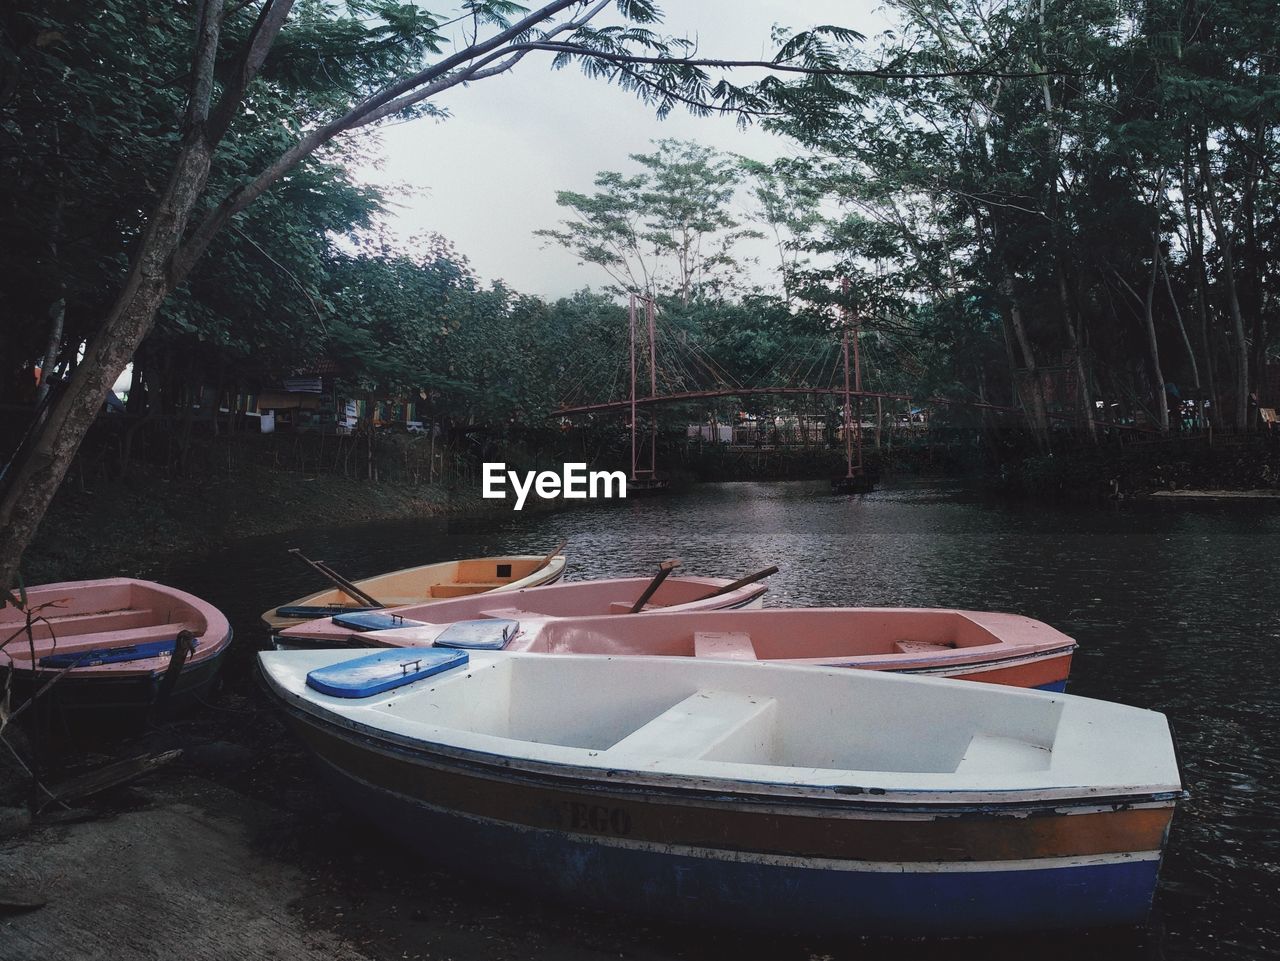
[[644, 479]]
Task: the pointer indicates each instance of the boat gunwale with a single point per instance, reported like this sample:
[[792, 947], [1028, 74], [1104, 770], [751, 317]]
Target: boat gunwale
[[931, 666]]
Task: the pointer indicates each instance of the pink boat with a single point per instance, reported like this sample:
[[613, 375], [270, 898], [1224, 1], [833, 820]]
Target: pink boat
[[115, 641], [970, 645], [608, 596]]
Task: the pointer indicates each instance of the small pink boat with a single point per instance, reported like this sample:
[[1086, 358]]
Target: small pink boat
[[608, 596], [115, 639], [971, 645]]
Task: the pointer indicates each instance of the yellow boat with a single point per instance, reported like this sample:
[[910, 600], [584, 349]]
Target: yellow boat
[[422, 585]]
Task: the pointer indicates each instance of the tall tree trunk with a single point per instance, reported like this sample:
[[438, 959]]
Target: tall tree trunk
[[1039, 416], [1069, 321], [1253, 257], [1195, 239], [1153, 345], [1055, 226], [1226, 246], [1182, 327]]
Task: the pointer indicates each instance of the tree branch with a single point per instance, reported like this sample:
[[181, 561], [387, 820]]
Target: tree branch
[[240, 198], [271, 19], [208, 20], [882, 73], [479, 70]]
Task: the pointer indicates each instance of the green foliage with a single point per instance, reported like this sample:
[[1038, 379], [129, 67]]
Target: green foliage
[[666, 229], [1002, 184], [1052, 176]]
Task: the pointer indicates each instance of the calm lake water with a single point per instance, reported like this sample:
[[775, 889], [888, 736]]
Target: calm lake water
[[1176, 608]]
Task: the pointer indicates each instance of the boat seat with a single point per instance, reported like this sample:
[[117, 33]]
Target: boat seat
[[715, 725], [461, 588], [726, 645], [71, 625], [382, 671], [141, 635], [375, 621], [485, 634], [920, 647]]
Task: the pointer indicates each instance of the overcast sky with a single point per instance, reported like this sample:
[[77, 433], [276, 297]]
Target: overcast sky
[[486, 177]]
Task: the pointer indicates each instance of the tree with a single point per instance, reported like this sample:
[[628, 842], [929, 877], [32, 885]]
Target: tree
[[788, 205], [669, 228]]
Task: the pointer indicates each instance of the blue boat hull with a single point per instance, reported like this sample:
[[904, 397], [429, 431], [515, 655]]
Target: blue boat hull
[[772, 894]]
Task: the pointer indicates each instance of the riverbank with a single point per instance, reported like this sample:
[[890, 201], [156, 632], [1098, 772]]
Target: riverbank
[[1228, 465], [136, 526]]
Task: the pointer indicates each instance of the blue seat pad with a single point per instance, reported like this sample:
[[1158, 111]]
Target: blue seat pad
[[110, 655], [374, 621], [383, 671], [486, 634], [311, 611]]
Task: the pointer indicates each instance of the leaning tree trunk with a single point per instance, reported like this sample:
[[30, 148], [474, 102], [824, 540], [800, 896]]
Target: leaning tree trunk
[[31, 489]]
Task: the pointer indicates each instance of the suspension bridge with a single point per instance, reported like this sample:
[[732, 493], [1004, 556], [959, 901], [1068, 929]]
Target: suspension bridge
[[664, 365]]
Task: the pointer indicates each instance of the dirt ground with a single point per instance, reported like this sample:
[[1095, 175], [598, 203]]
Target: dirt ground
[[234, 851]]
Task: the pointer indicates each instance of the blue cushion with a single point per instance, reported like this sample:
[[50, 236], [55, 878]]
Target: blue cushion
[[383, 671], [487, 634], [110, 655], [309, 611], [374, 621]]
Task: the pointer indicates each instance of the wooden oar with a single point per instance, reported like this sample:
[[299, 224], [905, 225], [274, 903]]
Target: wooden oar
[[349, 587], [183, 647], [344, 585], [665, 568], [550, 557], [741, 582]]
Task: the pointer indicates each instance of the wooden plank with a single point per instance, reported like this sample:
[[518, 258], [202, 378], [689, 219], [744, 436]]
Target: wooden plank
[[112, 775]]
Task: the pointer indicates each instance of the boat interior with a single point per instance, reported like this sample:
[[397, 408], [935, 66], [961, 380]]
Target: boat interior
[[481, 575], [579, 598], [720, 712], [441, 581], [789, 634], [574, 599]]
